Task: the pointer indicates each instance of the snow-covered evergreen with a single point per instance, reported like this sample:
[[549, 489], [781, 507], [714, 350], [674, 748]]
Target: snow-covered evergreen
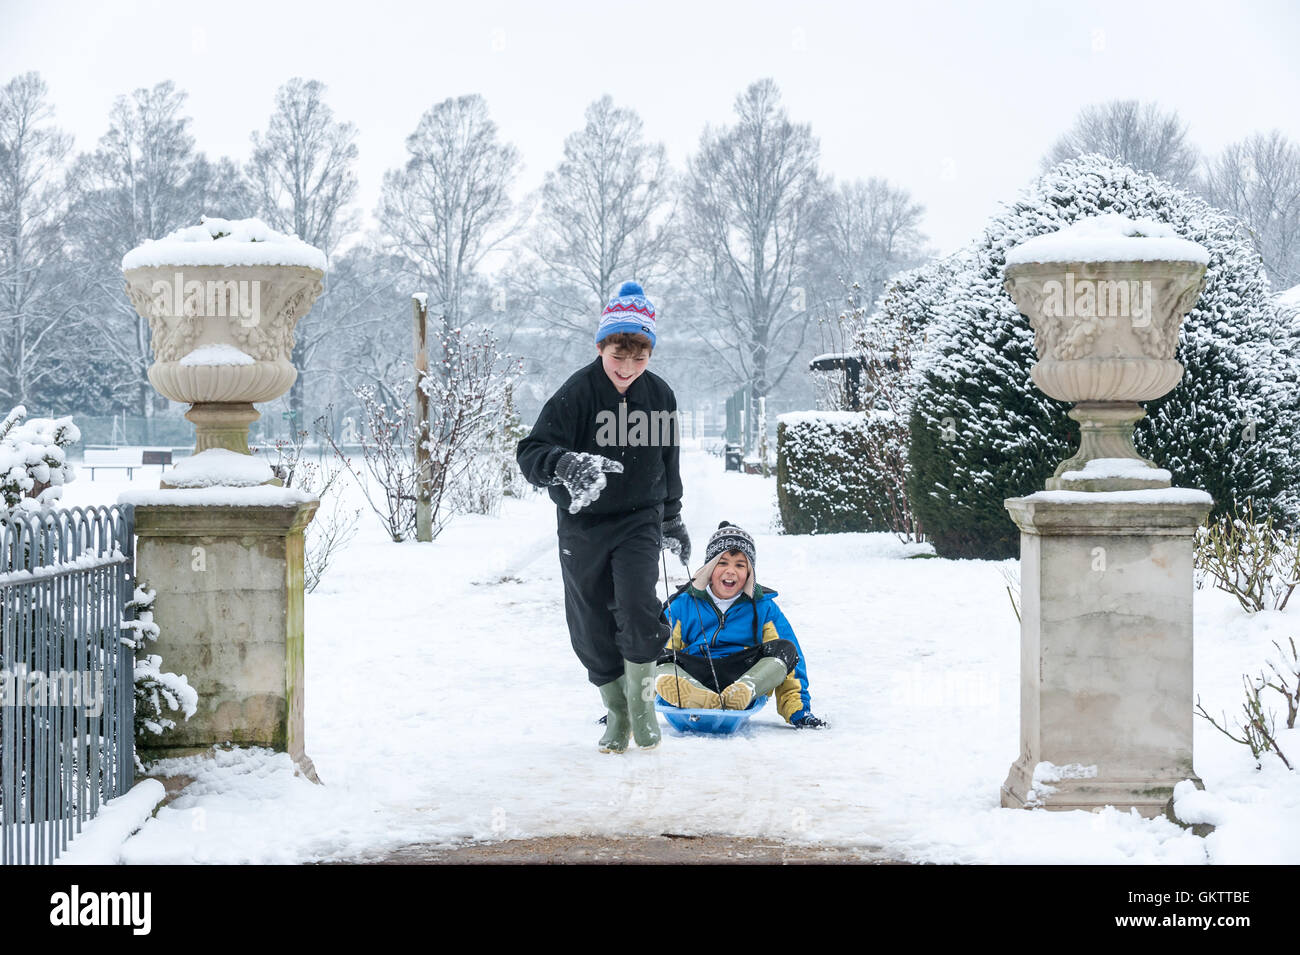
[[982, 432], [33, 458], [156, 693]]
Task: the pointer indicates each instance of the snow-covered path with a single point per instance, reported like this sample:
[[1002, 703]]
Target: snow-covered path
[[444, 704]]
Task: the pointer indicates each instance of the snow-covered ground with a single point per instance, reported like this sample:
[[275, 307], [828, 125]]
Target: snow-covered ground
[[444, 704]]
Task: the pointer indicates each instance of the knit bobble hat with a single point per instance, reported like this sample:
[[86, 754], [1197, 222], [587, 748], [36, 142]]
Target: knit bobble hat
[[628, 311], [726, 538]]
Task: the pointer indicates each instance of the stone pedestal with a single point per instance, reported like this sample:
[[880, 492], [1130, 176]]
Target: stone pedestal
[[229, 582], [1105, 647], [222, 424]]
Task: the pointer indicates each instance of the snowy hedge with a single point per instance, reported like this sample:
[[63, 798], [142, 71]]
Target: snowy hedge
[[33, 458], [981, 431], [824, 480]]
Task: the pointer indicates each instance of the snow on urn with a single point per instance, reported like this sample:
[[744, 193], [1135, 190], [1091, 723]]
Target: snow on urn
[[1106, 298], [222, 300]]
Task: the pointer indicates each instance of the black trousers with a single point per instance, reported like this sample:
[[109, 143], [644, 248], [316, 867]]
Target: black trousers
[[610, 565], [731, 667]]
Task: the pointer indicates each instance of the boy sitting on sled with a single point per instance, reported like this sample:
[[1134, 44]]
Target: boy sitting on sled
[[730, 643]]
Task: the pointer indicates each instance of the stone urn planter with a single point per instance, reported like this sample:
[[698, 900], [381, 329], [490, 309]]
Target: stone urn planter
[[1106, 624], [1106, 298], [222, 300]]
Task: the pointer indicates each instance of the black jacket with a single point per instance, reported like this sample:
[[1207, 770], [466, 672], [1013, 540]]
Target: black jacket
[[585, 415]]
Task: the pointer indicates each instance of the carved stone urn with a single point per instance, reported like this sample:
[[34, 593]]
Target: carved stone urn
[[1106, 299], [222, 300]]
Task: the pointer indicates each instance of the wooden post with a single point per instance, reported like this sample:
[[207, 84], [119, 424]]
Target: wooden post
[[423, 504]]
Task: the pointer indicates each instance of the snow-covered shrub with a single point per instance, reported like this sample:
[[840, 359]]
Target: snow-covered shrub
[[481, 469], [872, 444], [157, 693], [387, 476], [1257, 563], [466, 401], [1256, 725], [513, 430], [334, 523], [1284, 677], [824, 480], [981, 432], [33, 459]]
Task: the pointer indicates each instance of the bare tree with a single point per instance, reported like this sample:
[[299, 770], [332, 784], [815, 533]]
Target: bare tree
[[303, 174], [450, 205], [371, 339], [31, 214], [753, 200], [1258, 180], [872, 231], [602, 215], [1139, 134], [143, 181], [302, 167]]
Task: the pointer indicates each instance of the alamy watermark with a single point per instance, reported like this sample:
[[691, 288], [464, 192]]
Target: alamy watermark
[[209, 298], [1095, 298], [637, 429], [23, 686], [929, 687]]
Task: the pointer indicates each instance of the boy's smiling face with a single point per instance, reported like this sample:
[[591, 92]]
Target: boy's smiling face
[[623, 365], [729, 574]]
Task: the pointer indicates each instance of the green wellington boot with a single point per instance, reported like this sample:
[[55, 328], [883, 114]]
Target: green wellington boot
[[759, 680], [641, 711], [617, 725], [681, 689]]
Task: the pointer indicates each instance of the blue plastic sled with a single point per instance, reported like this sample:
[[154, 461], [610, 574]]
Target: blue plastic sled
[[711, 722]]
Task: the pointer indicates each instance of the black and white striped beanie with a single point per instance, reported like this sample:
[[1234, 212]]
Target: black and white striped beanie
[[726, 538]]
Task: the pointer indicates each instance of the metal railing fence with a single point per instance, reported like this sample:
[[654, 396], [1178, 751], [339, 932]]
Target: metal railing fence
[[66, 673]]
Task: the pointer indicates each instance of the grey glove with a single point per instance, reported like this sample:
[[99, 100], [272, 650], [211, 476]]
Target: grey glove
[[677, 540], [583, 476]]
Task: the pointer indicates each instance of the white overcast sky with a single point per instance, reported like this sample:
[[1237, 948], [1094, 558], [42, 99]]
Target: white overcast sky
[[956, 102]]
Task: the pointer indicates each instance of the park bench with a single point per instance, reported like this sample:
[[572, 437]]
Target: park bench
[[125, 459]]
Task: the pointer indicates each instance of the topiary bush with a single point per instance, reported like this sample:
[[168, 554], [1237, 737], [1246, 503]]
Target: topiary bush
[[980, 431], [824, 481]]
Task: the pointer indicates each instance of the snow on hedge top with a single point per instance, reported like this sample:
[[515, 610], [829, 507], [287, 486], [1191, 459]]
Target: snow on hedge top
[[225, 242], [1289, 298], [217, 467], [834, 419], [1109, 238]]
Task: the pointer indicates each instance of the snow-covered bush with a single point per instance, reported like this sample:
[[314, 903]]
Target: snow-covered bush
[[1256, 725], [466, 404], [513, 430], [1251, 559], [870, 494], [980, 431], [157, 693], [470, 403], [33, 459], [824, 480], [334, 523]]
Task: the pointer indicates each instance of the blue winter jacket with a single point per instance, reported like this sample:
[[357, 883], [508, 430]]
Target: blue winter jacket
[[697, 623]]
